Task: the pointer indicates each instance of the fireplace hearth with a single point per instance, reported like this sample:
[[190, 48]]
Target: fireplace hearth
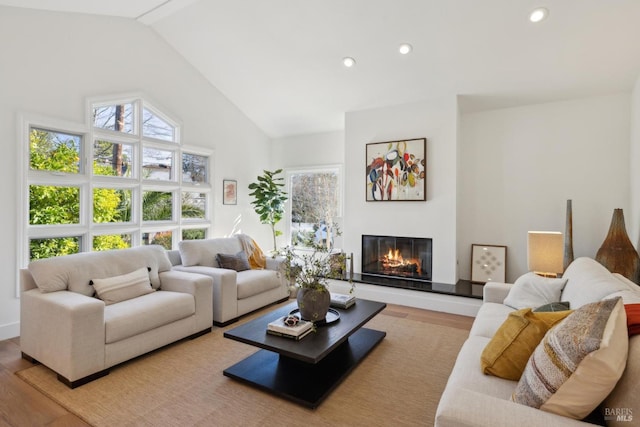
[[406, 263], [406, 258]]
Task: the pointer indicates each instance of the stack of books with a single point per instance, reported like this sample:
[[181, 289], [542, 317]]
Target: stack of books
[[296, 332], [342, 300]]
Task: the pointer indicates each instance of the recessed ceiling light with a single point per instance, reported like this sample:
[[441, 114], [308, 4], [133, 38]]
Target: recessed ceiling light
[[348, 62], [405, 48], [538, 14]]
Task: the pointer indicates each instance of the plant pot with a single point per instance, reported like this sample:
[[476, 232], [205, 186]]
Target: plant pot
[[313, 303], [293, 291]]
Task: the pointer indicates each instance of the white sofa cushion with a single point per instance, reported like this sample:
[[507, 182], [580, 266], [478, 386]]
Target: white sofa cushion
[[468, 372], [203, 252], [135, 316], [489, 318], [531, 291], [73, 272], [588, 281], [632, 286], [253, 282]]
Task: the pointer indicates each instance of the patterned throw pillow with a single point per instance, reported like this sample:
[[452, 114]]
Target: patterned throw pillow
[[237, 262], [578, 362], [507, 353], [120, 288]]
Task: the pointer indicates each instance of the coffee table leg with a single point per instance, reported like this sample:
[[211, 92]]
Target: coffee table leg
[[305, 383]]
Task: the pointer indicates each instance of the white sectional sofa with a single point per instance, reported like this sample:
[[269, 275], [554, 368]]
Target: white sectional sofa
[[235, 293], [472, 398], [79, 336]]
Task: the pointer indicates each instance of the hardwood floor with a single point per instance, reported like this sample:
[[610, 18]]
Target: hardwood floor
[[22, 405]]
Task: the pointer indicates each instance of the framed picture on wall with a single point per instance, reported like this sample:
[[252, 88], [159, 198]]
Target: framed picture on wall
[[396, 171], [488, 263], [229, 192]]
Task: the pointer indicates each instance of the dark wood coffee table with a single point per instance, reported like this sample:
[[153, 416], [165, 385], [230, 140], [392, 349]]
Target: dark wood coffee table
[[306, 371]]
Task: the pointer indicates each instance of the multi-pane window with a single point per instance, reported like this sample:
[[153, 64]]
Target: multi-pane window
[[157, 164], [112, 183], [154, 126], [112, 158], [157, 206], [314, 208], [111, 241], [111, 205], [50, 205], [117, 117], [194, 205], [194, 168], [194, 233], [54, 151]]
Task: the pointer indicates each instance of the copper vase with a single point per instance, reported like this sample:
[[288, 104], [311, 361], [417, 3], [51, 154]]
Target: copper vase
[[617, 252]]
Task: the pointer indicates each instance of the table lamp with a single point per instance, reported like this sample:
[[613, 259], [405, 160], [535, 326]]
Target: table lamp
[[545, 250]]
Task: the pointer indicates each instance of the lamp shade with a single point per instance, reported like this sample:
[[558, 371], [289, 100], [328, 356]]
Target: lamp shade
[[545, 251]]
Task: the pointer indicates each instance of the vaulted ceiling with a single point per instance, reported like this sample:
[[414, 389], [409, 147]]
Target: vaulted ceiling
[[280, 61]]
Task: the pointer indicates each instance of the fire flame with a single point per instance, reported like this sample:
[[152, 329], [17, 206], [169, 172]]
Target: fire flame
[[393, 260], [395, 256]]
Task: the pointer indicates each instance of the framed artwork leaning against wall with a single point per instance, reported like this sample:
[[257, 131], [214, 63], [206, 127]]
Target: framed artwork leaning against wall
[[488, 263]]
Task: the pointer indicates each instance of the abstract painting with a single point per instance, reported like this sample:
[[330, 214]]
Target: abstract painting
[[397, 170]]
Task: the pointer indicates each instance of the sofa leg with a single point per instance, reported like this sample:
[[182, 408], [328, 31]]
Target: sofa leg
[[28, 358], [227, 323], [82, 381], [199, 334]]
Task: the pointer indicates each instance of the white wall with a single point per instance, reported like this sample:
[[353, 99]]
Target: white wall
[[633, 220], [51, 62], [518, 167], [304, 151], [308, 150], [435, 218]]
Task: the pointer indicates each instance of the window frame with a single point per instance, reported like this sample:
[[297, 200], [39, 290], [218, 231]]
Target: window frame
[[87, 181], [290, 172]]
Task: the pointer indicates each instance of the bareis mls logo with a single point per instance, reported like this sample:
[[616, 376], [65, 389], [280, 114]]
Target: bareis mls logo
[[618, 414]]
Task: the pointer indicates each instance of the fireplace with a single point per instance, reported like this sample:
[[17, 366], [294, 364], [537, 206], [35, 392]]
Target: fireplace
[[407, 258]]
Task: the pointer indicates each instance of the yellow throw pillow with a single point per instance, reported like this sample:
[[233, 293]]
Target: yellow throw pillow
[[507, 353]]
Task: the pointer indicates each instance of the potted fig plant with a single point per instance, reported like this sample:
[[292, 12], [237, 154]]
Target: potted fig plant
[[269, 200]]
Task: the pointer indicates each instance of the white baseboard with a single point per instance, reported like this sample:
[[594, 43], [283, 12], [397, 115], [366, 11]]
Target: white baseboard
[[418, 299], [10, 330]]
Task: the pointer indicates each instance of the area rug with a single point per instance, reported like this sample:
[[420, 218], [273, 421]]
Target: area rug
[[400, 382]]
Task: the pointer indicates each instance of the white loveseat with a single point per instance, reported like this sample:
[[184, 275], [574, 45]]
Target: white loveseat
[[235, 293], [472, 398], [79, 336]]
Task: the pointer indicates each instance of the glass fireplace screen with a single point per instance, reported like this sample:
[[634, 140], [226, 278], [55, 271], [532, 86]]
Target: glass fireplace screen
[[403, 257]]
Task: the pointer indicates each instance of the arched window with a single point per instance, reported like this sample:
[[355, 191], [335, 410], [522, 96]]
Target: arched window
[[122, 179]]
